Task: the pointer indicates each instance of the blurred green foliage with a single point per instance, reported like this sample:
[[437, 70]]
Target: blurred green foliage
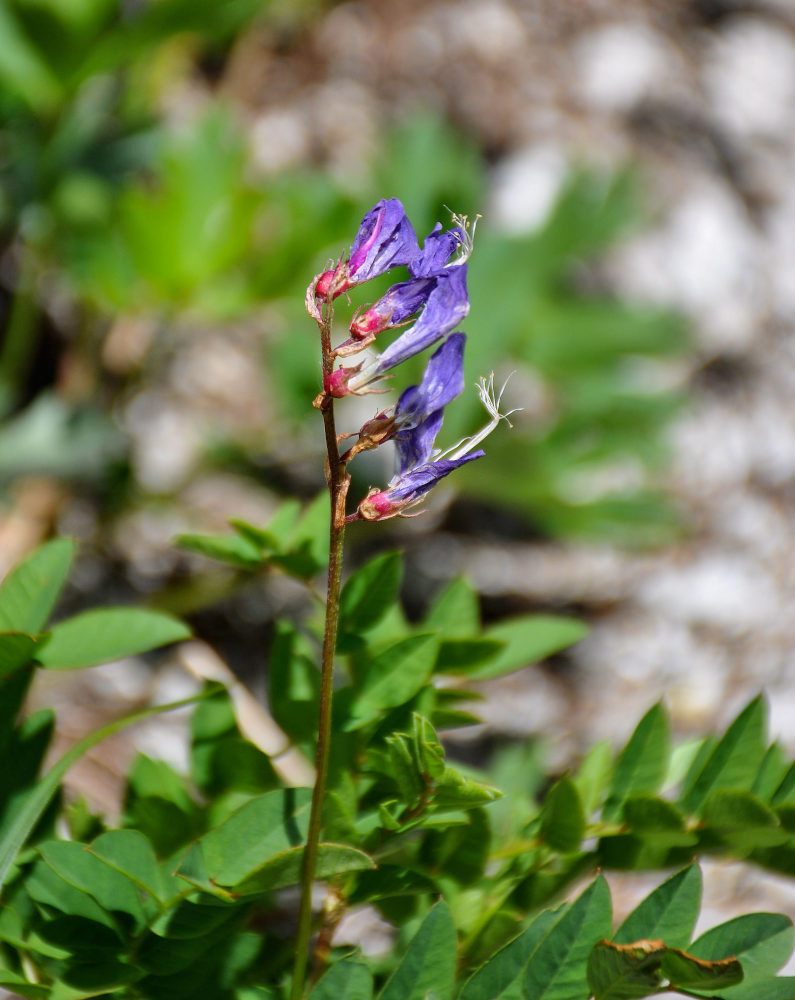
[[125, 214]]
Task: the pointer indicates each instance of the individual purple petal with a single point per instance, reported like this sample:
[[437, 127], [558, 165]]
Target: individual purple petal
[[414, 444], [442, 381], [408, 489], [422, 480], [447, 305], [436, 252], [385, 239], [419, 411], [395, 307]]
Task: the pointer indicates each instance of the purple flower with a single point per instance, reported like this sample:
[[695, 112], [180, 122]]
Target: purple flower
[[420, 466], [380, 505], [394, 308], [437, 250], [385, 239]]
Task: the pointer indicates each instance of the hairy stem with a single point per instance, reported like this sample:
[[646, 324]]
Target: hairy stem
[[338, 481]]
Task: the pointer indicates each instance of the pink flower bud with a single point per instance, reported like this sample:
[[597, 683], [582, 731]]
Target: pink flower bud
[[377, 506]]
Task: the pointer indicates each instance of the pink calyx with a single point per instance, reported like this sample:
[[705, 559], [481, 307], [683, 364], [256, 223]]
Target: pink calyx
[[377, 506], [336, 383], [330, 284], [367, 324]]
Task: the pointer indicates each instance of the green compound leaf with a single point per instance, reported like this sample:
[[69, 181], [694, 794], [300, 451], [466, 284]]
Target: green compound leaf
[[594, 774], [625, 971], [563, 818], [29, 592], [762, 942], [657, 821], [131, 853], [428, 967], [785, 793], [277, 532], [683, 971], [455, 613], [426, 749], [670, 912], [255, 833], [734, 762], [643, 762], [370, 592], [401, 764], [778, 988], [462, 656], [285, 868], [393, 677], [498, 979], [305, 552], [86, 873], [49, 888], [16, 651], [527, 640], [107, 634], [348, 979], [388, 881], [772, 772], [742, 820], [455, 790], [557, 969], [232, 549]]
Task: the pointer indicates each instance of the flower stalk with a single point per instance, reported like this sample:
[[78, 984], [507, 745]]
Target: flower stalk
[[338, 482]]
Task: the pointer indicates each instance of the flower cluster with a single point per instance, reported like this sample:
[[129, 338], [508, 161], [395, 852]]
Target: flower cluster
[[431, 303]]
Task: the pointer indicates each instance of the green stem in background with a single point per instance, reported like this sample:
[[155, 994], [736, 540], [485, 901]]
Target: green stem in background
[[338, 481], [20, 338]]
